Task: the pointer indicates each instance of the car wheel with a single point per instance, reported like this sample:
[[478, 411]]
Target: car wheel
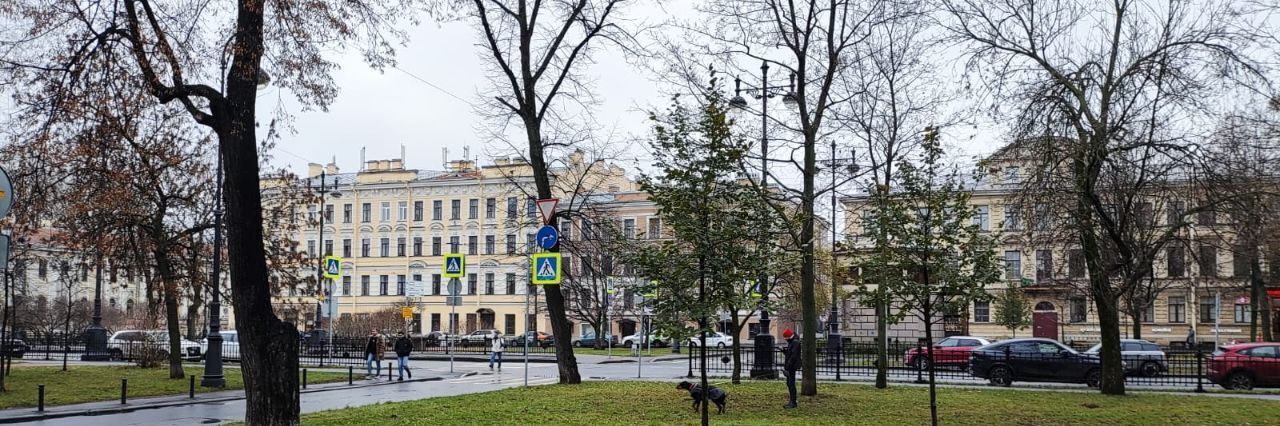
[[922, 363], [721, 345], [1093, 378], [631, 344], [1001, 376], [577, 344], [1150, 369], [115, 355], [1239, 381]]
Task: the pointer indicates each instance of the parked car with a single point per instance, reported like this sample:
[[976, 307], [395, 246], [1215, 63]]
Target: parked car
[[1245, 366], [15, 347], [479, 337], [128, 344], [652, 339], [536, 338], [951, 351], [1034, 359], [230, 344], [716, 339], [1140, 357], [590, 340], [436, 338]]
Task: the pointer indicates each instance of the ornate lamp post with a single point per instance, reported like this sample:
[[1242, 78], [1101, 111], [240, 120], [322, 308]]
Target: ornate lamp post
[[763, 367], [96, 335]]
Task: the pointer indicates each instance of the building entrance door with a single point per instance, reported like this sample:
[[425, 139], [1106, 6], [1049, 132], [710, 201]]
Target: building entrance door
[[1044, 321]]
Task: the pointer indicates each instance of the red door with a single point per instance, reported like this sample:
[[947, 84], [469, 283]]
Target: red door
[[1045, 325]]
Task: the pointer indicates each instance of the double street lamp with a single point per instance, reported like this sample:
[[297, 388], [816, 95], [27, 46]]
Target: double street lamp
[[326, 287], [763, 367]]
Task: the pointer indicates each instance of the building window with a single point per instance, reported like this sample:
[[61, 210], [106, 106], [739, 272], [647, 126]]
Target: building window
[[511, 244], [417, 211], [628, 228], [1243, 313], [1149, 313], [1208, 309], [328, 213], [1079, 309], [1177, 263], [1012, 218], [1013, 264], [981, 311], [435, 322], [1044, 265], [655, 228], [1174, 211], [473, 209], [471, 284], [399, 285], [386, 211], [437, 210], [453, 244], [1177, 309], [489, 244], [490, 208], [982, 218], [511, 283], [511, 207], [435, 284], [509, 324], [311, 248], [1043, 217], [364, 247], [346, 213], [1011, 174], [473, 245], [531, 241], [435, 246], [565, 227], [384, 247], [1075, 264], [346, 247], [1240, 262], [364, 285], [455, 209], [366, 212], [417, 246], [1207, 218], [488, 283], [1208, 261], [531, 207], [400, 247], [403, 211], [383, 282]]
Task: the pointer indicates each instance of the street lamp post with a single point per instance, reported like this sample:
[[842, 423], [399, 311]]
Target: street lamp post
[[325, 285], [96, 335], [763, 367], [213, 377]]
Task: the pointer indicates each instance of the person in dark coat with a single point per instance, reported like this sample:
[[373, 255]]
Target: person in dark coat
[[374, 348], [791, 364], [403, 348]]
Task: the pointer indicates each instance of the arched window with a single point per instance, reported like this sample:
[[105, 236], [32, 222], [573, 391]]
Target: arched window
[[128, 306], [111, 302], [1044, 306]]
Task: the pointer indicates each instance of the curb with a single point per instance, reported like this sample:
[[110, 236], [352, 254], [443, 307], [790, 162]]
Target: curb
[[130, 408]]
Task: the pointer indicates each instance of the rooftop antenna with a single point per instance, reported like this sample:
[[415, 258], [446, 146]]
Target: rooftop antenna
[[466, 153]]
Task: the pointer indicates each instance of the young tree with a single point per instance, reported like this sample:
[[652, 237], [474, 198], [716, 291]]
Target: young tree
[[928, 255], [1100, 80], [207, 61], [1013, 310]]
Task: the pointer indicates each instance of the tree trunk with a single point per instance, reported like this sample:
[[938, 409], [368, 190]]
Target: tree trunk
[[169, 292], [702, 326], [269, 347], [1107, 304], [928, 337], [808, 300], [737, 347], [882, 345], [1136, 316]]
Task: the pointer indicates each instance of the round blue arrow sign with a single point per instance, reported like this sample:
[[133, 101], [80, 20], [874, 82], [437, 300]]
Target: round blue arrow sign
[[548, 237]]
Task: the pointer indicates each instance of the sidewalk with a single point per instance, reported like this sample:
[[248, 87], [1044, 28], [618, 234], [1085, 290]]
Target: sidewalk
[[20, 415]]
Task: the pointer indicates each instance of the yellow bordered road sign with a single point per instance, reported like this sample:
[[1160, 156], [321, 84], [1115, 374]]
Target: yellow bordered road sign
[[546, 268], [455, 265]]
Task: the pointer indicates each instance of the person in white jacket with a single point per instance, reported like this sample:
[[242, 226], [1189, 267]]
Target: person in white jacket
[[495, 351]]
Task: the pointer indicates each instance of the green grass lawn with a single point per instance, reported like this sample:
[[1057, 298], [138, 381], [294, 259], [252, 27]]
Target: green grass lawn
[[634, 403], [102, 383]]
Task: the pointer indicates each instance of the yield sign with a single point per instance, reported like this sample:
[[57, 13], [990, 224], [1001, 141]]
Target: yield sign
[[547, 208]]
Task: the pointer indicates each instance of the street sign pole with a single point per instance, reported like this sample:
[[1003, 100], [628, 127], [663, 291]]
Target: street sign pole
[[526, 339], [453, 316]]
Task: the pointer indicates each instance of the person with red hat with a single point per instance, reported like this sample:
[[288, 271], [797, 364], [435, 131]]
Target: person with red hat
[[791, 364]]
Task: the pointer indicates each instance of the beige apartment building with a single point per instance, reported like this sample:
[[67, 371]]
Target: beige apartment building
[[1203, 283]]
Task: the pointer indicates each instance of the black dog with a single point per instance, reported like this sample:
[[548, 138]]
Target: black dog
[[715, 394]]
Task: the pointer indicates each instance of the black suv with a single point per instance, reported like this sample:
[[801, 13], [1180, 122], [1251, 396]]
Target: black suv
[[1033, 360]]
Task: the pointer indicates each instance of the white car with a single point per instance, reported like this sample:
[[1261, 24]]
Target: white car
[[716, 339], [230, 345], [637, 339], [128, 344]]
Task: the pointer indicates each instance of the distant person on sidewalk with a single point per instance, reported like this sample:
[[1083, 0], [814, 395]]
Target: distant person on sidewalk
[[403, 348], [791, 364], [374, 349], [495, 352]]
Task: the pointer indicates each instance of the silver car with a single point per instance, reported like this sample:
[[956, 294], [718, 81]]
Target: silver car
[[1140, 357]]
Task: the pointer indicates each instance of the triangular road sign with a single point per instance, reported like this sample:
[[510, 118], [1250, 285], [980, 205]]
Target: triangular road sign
[[547, 208]]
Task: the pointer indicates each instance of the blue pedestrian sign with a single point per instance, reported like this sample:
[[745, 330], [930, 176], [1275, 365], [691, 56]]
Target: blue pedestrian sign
[[332, 267], [455, 265], [548, 237], [546, 268]]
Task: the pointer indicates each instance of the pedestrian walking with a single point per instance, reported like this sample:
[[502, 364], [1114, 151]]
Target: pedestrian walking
[[495, 351], [374, 349], [403, 348], [791, 364]]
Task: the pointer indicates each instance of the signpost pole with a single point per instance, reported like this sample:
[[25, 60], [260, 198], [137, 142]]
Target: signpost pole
[[527, 334]]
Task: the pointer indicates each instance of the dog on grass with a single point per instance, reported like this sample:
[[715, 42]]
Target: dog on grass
[[714, 394]]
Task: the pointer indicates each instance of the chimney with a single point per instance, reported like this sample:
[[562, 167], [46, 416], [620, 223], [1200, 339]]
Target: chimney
[[332, 167], [313, 170]]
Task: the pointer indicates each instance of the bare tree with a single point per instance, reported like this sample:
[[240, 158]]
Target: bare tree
[[1105, 81]]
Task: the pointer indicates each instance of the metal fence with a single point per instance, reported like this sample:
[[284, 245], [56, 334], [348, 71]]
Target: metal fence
[[350, 350], [1180, 369]]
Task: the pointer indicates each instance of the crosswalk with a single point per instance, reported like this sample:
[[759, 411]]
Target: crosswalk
[[503, 380]]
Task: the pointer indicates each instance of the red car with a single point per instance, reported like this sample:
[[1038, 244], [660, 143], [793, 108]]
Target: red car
[[1246, 365], [952, 351]]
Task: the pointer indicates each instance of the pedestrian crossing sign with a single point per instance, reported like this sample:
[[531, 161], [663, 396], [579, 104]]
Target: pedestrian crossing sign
[[455, 265], [332, 267], [546, 268]]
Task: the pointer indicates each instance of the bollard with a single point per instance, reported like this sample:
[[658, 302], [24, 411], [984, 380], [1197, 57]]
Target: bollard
[[124, 387], [191, 389], [40, 399], [349, 370], [304, 378], [388, 370]]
